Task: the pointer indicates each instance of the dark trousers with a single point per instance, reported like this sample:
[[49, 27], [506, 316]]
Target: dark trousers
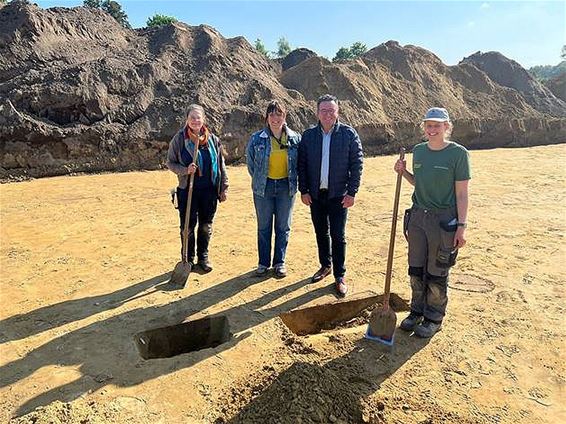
[[203, 208], [429, 278], [329, 221]]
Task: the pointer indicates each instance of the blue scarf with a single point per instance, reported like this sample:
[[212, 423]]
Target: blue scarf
[[190, 146]]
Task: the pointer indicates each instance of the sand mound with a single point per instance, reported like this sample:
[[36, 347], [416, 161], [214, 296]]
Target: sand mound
[[81, 93]]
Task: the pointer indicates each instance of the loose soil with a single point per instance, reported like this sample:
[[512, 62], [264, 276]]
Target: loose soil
[[85, 262]]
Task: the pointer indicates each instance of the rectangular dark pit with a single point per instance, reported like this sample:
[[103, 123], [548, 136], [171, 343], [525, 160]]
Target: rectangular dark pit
[[342, 313], [183, 338]]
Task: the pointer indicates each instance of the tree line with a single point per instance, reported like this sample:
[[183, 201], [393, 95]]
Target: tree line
[[548, 72]]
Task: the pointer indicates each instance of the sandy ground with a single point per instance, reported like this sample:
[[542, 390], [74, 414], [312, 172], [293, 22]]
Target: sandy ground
[[84, 267]]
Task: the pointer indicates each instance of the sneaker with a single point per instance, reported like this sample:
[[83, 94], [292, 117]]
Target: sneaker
[[261, 270], [427, 329], [205, 265], [409, 323], [341, 287], [280, 270]]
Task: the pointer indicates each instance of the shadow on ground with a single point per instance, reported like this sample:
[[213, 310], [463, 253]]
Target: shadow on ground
[[105, 351]]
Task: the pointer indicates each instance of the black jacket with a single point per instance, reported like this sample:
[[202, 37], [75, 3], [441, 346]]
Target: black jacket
[[346, 161]]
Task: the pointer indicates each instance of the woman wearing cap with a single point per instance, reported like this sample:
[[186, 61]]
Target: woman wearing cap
[[271, 156], [437, 220], [210, 184]]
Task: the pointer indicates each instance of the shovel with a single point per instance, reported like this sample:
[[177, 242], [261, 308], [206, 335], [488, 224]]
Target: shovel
[[183, 268], [382, 321]]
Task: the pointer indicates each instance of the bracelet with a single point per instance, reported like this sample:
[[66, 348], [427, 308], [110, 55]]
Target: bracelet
[[462, 224]]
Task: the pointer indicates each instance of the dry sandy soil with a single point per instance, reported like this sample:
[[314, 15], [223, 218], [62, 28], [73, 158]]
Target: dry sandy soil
[[85, 262]]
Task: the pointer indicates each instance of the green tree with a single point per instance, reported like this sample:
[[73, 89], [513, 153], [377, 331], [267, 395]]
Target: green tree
[[357, 49], [113, 8], [283, 47], [260, 47], [92, 3], [158, 20], [343, 53]]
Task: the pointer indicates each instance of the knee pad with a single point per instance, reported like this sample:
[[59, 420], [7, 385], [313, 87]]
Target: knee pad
[[206, 228], [435, 279], [416, 271]]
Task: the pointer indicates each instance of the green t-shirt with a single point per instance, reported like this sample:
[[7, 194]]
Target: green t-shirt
[[436, 171]]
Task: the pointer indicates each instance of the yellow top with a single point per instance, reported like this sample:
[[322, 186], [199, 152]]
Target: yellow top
[[278, 166]]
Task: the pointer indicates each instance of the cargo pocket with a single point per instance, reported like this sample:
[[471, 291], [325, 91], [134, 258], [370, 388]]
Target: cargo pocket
[[406, 219], [446, 255]]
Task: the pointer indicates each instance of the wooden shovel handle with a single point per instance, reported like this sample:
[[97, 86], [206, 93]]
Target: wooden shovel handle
[[392, 236], [188, 211]]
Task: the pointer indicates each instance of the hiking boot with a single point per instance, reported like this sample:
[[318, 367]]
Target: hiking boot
[[205, 264], [409, 323], [261, 270], [427, 329], [341, 287], [321, 273], [280, 270]]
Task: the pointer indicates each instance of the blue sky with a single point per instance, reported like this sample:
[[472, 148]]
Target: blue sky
[[530, 32]]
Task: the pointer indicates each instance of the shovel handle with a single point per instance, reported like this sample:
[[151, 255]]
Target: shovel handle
[[185, 240], [393, 229]]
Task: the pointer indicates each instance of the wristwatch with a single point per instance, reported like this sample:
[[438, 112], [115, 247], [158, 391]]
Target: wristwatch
[[462, 224]]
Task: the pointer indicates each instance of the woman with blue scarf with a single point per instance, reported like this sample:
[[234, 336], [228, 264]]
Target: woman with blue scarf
[[210, 183]]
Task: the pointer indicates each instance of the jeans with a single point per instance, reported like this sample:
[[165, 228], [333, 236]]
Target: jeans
[[203, 208], [275, 207], [329, 214]]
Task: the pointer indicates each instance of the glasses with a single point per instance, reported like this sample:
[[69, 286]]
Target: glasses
[[328, 111]]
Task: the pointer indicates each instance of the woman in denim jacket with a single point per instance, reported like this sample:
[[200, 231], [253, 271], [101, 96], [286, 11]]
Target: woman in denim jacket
[[271, 157]]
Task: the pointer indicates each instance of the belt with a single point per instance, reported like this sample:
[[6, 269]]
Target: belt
[[434, 210]]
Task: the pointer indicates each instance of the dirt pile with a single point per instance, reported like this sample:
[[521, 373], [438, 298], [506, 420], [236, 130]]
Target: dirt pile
[[557, 85], [508, 73], [81, 93], [295, 57]]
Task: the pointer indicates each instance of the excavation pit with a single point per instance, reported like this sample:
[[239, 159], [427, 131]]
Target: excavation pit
[[183, 338], [348, 313]]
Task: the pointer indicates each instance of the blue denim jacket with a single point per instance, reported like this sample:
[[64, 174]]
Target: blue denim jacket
[[257, 159]]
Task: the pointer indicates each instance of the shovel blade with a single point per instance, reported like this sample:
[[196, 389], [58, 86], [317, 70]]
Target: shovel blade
[[180, 275], [382, 323]]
